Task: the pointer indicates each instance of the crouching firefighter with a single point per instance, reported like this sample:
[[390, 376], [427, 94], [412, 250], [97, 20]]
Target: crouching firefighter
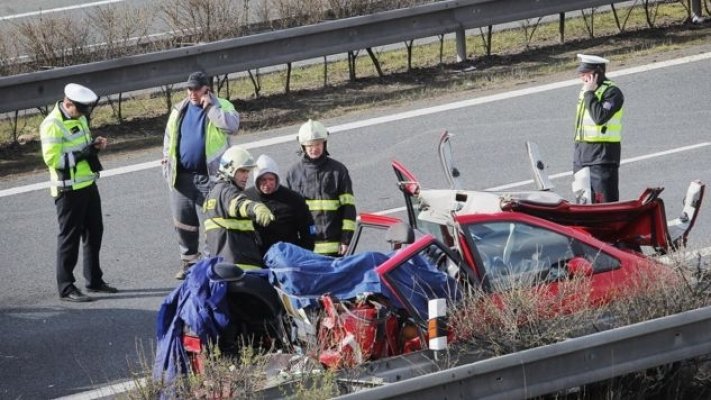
[[229, 214]]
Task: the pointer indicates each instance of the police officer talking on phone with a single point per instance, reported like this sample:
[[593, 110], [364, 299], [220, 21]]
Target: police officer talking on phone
[[598, 129], [195, 137]]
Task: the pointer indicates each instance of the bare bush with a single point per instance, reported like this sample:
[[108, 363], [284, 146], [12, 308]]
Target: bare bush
[[9, 55], [222, 377], [122, 29], [521, 315], [201, 20], [290, 13], [54, 41]]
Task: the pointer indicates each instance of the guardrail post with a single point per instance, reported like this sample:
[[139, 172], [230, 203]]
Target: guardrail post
[[437, 325], [461, 44]]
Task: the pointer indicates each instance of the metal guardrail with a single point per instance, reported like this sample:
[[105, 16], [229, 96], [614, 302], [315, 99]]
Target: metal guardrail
[[24, 91], [564, 365]]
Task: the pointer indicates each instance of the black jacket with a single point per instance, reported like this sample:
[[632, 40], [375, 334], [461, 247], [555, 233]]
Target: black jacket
[[326, 186], [293, 222], [228, 227]]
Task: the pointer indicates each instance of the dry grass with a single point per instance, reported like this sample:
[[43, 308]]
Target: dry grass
[[523, 318]]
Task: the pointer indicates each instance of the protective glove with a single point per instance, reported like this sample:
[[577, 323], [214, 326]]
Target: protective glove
[[262, 214]]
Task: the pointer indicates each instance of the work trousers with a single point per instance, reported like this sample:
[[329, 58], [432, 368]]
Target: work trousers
[[80, 219], [604, 182], [695, 8], [186, 200]]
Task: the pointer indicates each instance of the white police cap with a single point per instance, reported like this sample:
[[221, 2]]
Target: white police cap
[[80, 94], [590, 62]]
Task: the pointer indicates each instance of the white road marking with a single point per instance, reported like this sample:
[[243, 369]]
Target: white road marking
[[105, 391], [400, 116], [60, 9]]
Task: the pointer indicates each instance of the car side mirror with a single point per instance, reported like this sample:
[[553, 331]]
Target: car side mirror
[[579, 266]]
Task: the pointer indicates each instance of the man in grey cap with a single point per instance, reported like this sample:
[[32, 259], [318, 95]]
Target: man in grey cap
[[598, 129], [196, 135], [71, 154]]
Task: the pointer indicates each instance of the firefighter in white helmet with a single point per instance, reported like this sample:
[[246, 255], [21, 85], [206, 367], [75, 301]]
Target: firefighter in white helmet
[[229, 215], [326, 185]]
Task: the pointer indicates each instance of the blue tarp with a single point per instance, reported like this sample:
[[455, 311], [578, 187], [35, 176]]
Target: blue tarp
[[305, 276], [198, 302]]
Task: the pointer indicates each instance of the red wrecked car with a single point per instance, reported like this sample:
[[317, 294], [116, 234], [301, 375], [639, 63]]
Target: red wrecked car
[[471, 237]]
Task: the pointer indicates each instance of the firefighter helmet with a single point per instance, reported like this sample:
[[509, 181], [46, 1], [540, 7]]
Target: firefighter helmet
[[310, 131], [233, 159]]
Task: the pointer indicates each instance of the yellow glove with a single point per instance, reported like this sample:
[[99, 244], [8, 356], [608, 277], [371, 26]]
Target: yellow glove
[[262, 214]]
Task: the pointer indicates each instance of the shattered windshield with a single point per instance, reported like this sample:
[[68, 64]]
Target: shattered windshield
[[529, 253]]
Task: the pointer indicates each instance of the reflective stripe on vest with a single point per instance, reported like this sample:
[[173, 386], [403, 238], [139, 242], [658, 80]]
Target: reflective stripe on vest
[[323, 205], [68, 183], [248, 267], [229, 223], [326, 247], [348, 225], [587, 131], [347, 198], [58, 145]]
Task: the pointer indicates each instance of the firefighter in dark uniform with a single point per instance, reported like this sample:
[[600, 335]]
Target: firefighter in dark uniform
[[71, 154], [293, 222], [598, 129], [229, 215], [326, 186]]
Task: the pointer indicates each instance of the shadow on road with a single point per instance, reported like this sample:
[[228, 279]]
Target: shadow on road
[[52, 352]]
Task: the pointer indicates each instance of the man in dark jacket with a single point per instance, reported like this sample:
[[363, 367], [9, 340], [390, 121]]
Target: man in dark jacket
[[326, 186], [229, 213], [293, 222], [598, 130]]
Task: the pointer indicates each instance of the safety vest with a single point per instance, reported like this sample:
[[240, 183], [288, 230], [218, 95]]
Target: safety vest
[[215, 140], [61, 137], [587, 131]]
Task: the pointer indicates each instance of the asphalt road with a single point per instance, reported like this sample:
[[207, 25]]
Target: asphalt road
[[14, 9], [50, 348]]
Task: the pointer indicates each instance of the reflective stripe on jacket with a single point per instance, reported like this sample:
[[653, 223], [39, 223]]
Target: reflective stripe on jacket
[[586, 130], [229, 230], [326, 186], [62, 137], [216, 141]]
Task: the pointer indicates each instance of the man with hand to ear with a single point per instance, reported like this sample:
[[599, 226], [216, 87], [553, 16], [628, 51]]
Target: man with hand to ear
[[196, 135], [229, 214], [598, 129]]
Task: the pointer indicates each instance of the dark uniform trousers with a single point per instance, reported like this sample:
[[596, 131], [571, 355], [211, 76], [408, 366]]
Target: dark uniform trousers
[[80, 219], [604, 182]]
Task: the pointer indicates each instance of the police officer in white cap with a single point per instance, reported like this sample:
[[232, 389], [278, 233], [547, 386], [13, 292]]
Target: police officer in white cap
[[71, 154], [598, 129]]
